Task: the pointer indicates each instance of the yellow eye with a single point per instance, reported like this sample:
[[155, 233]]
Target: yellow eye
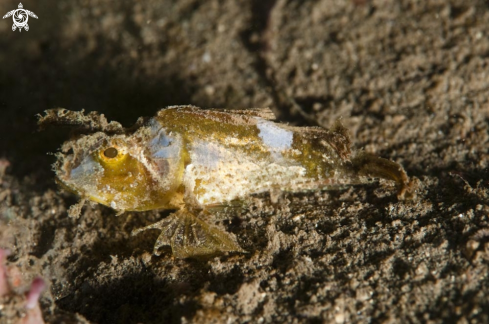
[[111, 152], [111, 155]]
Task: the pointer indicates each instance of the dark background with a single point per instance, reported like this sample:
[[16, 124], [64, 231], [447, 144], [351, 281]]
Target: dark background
[[410, 81]]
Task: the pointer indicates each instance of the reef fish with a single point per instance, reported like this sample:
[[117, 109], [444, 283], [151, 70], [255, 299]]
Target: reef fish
[[191, 160]]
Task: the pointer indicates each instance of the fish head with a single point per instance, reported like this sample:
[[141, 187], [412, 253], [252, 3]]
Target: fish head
[[118, 171]]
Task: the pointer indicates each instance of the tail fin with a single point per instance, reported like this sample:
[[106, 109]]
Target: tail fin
[[373, 166]]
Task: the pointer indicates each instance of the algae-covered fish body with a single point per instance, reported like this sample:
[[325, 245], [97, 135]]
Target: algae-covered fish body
[[190, 159]]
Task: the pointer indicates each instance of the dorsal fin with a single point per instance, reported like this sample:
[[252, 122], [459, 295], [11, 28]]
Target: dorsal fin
[[265, 113]]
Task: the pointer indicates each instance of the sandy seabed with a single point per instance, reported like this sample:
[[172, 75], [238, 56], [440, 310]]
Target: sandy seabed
[[408, 78]]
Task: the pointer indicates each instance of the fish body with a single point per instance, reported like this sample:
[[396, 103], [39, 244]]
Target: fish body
[[190, 159]]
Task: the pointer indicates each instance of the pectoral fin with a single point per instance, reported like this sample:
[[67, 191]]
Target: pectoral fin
[[190, 237]]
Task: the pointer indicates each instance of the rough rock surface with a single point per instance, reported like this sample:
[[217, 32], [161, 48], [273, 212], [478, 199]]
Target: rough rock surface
[[408, 78]]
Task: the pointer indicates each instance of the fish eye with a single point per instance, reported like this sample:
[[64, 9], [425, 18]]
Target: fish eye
[[111, 152]]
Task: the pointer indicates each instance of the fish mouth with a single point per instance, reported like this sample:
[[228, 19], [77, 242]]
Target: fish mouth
[[79, 192], [74, 153], [62, 168], [65, 182]]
